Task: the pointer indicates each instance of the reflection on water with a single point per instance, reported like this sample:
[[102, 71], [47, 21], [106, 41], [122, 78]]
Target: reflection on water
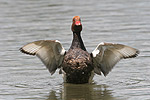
[[82, 92]]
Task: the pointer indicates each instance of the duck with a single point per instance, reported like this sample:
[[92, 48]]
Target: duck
[[76, 65]]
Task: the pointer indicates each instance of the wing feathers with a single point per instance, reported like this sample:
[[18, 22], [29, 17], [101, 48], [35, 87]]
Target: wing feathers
[[30, 49], [50, 52], [106, 55], [129, 52]]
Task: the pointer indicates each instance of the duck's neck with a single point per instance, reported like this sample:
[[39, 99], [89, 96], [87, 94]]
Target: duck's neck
[[77, 41]]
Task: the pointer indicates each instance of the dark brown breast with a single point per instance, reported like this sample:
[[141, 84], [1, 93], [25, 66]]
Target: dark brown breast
[[77, 65]]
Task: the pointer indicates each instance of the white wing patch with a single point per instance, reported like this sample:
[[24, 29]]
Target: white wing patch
[[95, 52]]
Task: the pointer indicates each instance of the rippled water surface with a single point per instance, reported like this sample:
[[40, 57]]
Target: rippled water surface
[[119, 21]]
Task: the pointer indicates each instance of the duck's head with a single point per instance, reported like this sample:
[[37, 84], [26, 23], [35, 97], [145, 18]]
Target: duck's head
[[76, 24]]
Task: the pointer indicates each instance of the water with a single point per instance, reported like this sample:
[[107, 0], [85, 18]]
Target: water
[[25, 77]]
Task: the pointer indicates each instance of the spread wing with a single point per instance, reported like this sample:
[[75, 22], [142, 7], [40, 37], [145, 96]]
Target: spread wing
[[106, 55], [50, 52]]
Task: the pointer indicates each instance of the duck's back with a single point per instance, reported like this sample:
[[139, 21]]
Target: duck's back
[[77, 65]]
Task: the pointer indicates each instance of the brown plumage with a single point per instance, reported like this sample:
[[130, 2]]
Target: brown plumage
[[77, 65]]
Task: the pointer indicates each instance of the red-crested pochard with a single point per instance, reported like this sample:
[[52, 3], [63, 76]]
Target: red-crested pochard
[[77, 65]]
